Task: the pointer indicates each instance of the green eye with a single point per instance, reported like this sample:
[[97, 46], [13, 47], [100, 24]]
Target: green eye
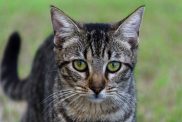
[[113, 66], [80, 65]]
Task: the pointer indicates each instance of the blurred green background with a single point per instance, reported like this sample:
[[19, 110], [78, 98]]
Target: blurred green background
[[159, 69]]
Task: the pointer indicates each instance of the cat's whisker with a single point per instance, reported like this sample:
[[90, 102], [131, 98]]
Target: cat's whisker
[[47, 108], [82, 94], [65, 94], [124, 98], [47, 98], [81, 90], [111, 91], [78, 105], [56, 99], [53, 100], [62, 91], [124, 94], [51, 95], [66, 90], [68, 97], [110, 94], [59, 102], [74, 100], [117, 101]]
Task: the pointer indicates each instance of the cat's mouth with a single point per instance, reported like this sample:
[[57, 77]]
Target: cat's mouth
[[97, 98]]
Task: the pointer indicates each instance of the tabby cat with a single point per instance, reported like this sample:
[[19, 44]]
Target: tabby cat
[[81, 73]]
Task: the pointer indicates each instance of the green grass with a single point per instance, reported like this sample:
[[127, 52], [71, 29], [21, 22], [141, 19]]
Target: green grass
[[159, 68]]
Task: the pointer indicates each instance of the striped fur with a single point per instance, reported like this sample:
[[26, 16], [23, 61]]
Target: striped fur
[[56, 92], [12, 85]]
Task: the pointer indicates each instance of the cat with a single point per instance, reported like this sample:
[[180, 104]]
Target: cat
[[84, 72]]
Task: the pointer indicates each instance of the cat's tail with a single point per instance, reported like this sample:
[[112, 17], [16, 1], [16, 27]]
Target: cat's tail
[[12, 85]]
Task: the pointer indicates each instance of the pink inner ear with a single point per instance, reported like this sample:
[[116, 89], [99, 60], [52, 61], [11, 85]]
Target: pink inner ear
[[133, 42], [57, 25], [57, 41]]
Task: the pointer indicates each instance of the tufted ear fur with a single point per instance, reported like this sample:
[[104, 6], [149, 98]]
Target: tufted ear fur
[[64, 27], [128, 29]]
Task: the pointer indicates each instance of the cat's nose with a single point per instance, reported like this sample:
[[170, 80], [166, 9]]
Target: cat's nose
[[96, 83], [96, 90]]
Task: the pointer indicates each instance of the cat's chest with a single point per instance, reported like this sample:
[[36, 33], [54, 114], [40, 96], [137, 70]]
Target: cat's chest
[[92, 113]]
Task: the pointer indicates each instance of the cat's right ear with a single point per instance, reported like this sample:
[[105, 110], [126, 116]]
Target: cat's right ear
[[128, 29], [64, 27]]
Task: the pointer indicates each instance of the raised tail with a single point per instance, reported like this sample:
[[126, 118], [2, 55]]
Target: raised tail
[[12, 85]]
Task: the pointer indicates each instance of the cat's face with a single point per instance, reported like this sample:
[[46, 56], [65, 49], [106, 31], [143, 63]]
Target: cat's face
[[96, 60]]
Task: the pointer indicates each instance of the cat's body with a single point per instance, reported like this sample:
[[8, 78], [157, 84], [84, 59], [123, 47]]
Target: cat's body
[[87, 78]]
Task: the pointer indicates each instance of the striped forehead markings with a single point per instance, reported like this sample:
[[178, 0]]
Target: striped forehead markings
[[98, 42]]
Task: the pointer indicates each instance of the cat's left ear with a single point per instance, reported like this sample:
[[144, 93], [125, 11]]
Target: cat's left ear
[[64, 27], [128, 29]]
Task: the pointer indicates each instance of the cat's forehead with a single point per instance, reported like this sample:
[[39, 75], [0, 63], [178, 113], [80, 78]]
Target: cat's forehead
[[101, 39], [97, 37], [104, 27], [97, 42]]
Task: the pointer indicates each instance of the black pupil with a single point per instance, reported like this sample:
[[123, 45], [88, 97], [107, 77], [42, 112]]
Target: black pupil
[[113, 64], [79, 63]]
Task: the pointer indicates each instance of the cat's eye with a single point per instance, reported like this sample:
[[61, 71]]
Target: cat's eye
[[80, 65], [113, 66]]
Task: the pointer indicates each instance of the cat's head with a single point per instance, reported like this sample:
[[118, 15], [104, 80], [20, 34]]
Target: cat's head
[[96, 60]]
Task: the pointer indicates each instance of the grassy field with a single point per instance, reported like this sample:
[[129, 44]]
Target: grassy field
[[159, 68]]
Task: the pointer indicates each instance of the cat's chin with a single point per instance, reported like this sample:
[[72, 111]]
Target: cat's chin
[[96, 100]]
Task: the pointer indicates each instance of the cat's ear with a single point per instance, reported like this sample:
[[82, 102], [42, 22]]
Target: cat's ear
[[64, 27], [128, 28]]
